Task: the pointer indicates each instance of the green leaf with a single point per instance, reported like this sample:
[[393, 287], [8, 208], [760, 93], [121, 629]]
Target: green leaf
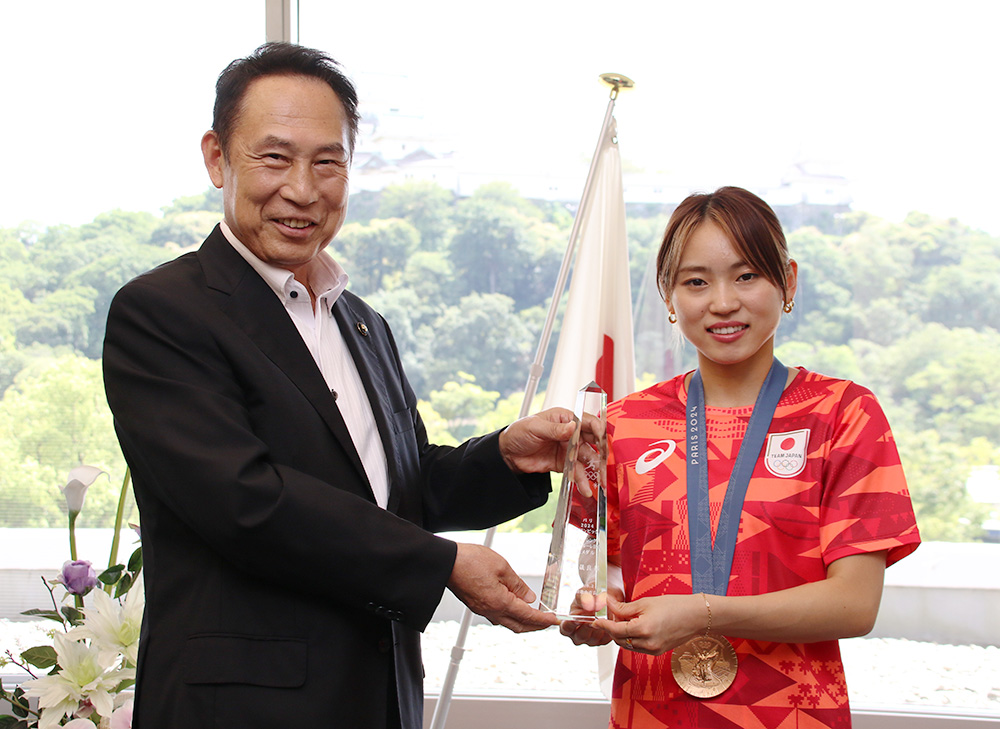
[[49, 614], [41, 656], [74, 616], [19, 704], [127, 683], [123, 585], [135, 561], [10, 722], [112, 574], [38, 611]]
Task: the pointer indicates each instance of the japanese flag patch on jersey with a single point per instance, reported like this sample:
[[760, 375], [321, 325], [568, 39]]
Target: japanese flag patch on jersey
[[785, 454]]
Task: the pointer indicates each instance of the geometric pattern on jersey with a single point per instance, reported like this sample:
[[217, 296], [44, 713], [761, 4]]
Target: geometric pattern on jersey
[[849, 497]]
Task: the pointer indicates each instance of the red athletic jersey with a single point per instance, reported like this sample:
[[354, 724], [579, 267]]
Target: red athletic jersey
[[828, 484]]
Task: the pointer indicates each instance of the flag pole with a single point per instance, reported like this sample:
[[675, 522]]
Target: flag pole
[[616, 81]]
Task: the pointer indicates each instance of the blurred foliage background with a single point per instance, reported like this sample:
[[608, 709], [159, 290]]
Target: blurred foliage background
[[910, 310]]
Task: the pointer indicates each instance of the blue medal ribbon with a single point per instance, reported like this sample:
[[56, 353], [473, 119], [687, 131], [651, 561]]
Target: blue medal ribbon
[[710, 567]]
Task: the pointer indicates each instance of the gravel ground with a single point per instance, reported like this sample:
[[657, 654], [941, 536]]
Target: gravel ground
[[880, 671]]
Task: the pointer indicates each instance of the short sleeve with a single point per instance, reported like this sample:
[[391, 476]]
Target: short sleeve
[[866, 504]]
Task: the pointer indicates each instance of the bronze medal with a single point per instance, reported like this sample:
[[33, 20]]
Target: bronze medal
[[705, 666]]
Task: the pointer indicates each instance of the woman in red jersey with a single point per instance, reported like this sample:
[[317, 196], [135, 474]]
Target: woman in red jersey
[[752, 507]]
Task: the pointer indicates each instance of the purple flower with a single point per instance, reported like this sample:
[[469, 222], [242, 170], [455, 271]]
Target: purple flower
[[78, 576]]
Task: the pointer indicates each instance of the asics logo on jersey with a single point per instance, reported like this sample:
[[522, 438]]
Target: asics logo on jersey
[[655, 456]]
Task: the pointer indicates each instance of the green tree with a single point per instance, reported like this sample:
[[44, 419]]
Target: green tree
[[936, 473], [492, 251], [435, 425], [506, 195], [645, 234], [11, 362], [425, 205], [59, 318], [61, 250], [29, 494], [835, 361], [933, 242], [462, 404], [52, 419], [119, 225], [13, 307], [484, 335], [401, 308], [104, 275], [966, 294], [373, 252], [185, 230], [542, 263], [945, 379], [363, 206], [210, 200], [430, 277], [15, 253], [824, 306]]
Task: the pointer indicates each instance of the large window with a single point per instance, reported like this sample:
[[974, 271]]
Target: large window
[[869, 127], [104, 107], [871, 140]]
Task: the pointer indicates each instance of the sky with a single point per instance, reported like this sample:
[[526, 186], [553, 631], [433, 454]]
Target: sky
[[104, 104]]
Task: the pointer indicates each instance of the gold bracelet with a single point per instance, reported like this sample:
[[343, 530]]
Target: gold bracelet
[[709, 608]]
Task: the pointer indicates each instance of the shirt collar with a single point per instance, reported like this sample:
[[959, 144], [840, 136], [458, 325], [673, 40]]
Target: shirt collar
[[327, 277]]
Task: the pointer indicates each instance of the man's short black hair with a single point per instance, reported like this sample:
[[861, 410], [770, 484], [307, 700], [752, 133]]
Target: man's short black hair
[[278, 59]]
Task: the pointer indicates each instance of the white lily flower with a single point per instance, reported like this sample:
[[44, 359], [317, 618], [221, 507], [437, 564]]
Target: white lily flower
[[114, 628], [77, 483], [86, 675]]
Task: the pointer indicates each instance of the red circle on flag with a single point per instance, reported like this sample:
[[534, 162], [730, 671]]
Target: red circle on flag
[[787, 444]]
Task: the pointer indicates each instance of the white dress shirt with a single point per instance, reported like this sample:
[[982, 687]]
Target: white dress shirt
[[319, 330]]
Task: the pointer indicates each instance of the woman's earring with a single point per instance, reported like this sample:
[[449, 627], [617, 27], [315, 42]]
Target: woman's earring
[[672, 318], [789, 305]]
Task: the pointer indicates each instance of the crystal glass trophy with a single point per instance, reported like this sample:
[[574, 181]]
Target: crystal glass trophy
[[575, 585]]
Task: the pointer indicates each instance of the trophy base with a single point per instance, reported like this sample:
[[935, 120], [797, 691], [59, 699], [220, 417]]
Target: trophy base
[[584, 607], [573, 618]]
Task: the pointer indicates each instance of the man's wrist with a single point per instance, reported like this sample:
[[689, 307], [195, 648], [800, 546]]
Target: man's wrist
[[502, 440]]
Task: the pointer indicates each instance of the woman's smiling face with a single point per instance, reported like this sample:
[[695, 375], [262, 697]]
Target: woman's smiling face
[[723, 305]]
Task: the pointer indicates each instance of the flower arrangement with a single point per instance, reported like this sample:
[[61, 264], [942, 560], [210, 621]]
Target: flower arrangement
[[91, 661]]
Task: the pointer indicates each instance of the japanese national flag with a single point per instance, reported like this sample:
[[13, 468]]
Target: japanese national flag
[[595, 343]]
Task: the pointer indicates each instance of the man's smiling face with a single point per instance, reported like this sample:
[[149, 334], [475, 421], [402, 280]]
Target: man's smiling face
[[284, 177]]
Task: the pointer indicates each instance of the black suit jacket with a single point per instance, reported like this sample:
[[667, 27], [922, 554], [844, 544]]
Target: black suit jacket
[[277, 592]]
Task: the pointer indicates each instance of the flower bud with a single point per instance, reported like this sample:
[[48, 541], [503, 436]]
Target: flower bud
[[78, 577]]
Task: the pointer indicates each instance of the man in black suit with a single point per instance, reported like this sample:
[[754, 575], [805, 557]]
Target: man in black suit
[[287, 490]]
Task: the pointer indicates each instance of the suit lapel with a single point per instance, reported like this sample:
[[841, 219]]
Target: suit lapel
[[362, 346], [252, 305]]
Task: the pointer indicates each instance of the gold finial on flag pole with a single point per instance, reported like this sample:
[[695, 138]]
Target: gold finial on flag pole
[[617, 81]]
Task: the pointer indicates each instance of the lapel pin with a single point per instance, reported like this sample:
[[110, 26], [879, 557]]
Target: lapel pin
[[363, 329]]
